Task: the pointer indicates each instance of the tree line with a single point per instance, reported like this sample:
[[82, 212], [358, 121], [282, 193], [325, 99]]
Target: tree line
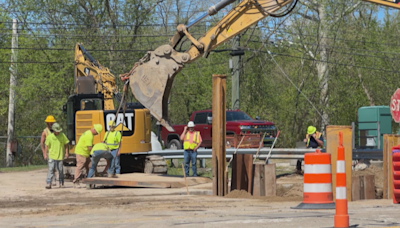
[[316, 66]]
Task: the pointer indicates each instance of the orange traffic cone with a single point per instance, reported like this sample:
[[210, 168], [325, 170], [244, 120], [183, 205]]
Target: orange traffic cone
[[341, 216]]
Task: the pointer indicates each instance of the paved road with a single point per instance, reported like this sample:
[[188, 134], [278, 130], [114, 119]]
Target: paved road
[[25, 203], [192, 211]]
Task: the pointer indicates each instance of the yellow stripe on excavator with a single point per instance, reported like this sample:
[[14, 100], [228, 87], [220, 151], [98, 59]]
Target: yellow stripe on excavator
[[385, 3]]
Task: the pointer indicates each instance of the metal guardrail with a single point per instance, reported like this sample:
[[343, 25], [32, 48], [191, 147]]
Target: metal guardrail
[[375, 154], [277, 153]]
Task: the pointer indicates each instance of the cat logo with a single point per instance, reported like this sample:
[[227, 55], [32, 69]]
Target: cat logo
[[121, 125]]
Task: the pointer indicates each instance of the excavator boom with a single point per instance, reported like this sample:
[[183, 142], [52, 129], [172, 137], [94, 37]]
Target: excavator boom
[[91, 77], [151, 78]]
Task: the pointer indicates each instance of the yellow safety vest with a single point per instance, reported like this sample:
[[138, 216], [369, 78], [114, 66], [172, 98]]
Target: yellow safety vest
[[190, 146], [112, 140], [318, 135]]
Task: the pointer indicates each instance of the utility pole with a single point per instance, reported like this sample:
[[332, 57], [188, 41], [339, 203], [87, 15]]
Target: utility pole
[[236, 61], [13, 83]]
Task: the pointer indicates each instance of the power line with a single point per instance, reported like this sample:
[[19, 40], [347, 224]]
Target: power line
[[297, 88], [336, 47], [104, 25], [90, 35], [335, 38], [316, 60]]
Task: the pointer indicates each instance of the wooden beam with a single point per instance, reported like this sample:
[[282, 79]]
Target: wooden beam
[[270, 179], [258, 180], [369, 187], [242, 172], [219, 134], [356, 188], [389, 141]]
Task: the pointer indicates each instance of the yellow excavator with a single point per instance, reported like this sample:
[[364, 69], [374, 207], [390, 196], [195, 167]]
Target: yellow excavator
[[89, 71], [93, 103], [151, 78]]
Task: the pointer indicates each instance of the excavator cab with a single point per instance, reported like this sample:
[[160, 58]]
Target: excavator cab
[[80, 102]]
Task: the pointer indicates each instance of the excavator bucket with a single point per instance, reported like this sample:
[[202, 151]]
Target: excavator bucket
[[152, 77]]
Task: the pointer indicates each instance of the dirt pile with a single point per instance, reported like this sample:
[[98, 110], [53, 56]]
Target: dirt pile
[[290, 185], [296, 190], [239, 194]]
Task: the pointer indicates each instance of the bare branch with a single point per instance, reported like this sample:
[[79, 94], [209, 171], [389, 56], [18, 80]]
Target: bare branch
[[347, 11], [308, 17]]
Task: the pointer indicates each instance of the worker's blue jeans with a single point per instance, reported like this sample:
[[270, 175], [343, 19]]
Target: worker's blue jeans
[[187, 156], [117, 165], [96, 156], [55, 164]]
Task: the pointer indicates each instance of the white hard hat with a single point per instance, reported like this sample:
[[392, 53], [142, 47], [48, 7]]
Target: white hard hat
[[190, 124]]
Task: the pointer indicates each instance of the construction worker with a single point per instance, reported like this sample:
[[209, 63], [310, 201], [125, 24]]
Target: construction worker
[[113, 138], [50, 120], [100, 150], [191, 142], [82, 152], [314, 139], [56, 144]]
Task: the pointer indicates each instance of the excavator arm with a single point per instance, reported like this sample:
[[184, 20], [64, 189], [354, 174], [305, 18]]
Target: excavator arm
[[151, 78], [92, 77]]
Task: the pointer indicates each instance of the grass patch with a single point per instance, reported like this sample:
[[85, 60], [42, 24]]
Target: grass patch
[[22, 168], [201, 172]]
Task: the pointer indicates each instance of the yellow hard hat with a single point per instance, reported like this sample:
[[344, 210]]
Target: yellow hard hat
[[98, 128], [311, 130], [111, 123], [50, 119]]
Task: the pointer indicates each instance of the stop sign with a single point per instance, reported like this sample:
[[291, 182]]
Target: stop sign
[[395, 106]]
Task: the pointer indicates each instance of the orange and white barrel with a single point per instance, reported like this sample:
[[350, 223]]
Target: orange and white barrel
[[317, 188]]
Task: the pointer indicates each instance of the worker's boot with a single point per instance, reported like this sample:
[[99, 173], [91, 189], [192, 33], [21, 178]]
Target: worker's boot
[[77, 185], [48, 186]]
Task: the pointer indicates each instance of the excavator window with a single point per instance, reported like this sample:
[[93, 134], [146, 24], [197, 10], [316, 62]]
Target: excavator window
[[91, 104]]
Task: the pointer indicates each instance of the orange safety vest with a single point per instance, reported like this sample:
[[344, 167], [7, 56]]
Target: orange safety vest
[[318, 135], [190, 146]]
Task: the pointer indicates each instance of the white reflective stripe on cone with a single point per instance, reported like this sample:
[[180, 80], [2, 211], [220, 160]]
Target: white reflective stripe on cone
[[317, 188], [317, 169], [341, 193], [340, 167]]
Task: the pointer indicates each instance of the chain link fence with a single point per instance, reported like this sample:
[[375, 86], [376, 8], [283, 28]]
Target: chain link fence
[[27, 152]]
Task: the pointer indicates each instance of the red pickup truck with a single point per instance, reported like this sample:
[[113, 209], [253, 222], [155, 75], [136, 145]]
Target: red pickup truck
[[237, 122]]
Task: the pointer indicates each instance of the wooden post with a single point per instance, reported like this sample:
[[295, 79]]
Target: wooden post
[[258, 180], [332, 142], [242, 172], [389, 141], [363, 187], [220, 187], [270, 179], [356, 188], [369, 186]]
